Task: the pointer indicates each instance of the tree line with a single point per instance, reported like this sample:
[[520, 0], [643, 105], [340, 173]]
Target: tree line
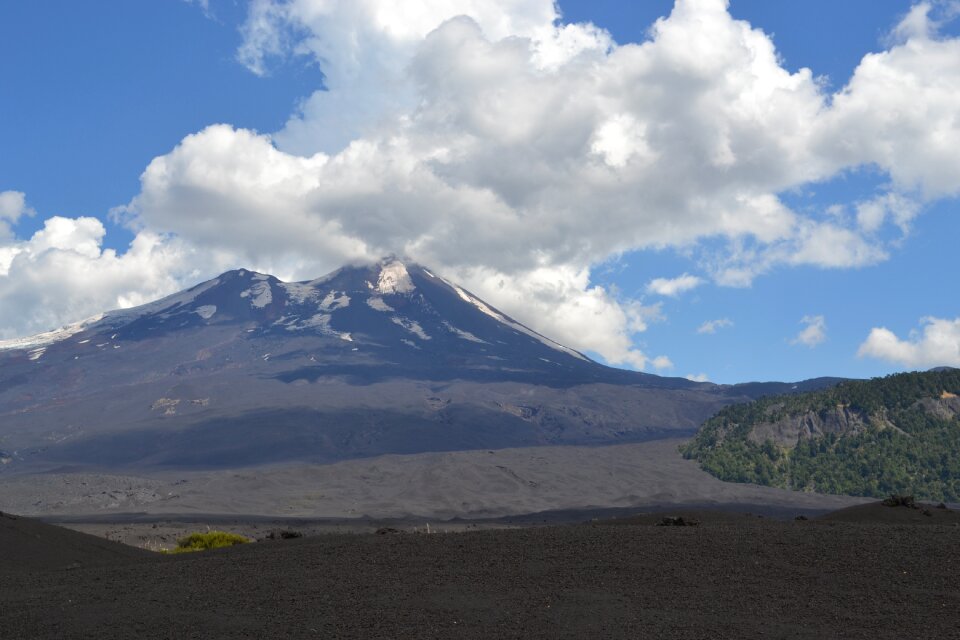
[[904, 445]]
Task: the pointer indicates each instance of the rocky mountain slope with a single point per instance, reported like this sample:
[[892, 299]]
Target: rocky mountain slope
[[386, 358], [899, 434]]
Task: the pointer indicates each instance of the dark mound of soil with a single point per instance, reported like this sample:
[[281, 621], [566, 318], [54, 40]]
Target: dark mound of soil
[[680, 517], [31, 545], [729, 578], [912, 513]]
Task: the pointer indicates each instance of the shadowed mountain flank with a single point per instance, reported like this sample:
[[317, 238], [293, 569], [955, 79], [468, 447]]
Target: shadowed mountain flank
[[30, 545]]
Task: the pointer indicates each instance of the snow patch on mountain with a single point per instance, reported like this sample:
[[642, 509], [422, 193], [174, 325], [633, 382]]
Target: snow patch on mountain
[[394, 279], [478, 304], [206, 311], [49, 337], [298, 292], [319, 322], [466, 335], [261, 293], [516, 326], [332, 302], [410, 325], [169, 304], [377, 304]]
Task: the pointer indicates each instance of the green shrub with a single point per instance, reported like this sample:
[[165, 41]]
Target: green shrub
[[209, 540]]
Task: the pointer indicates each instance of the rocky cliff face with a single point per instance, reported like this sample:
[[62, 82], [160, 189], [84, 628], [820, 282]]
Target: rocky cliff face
[[787, 430], [946, 407], [790, 429]]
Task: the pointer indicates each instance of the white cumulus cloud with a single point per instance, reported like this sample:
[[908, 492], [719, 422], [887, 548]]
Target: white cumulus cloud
[[62, 274], [814, 333], [662, 363], [937, 343], [873, 213], [711, 326], [13, 205], [898, 111], [673, 286], [560, 303]]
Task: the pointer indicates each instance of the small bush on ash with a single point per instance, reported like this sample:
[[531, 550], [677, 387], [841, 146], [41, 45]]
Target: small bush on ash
[[209, 540]]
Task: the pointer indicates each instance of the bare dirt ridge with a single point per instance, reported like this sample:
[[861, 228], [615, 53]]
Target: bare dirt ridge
[[731, 576]]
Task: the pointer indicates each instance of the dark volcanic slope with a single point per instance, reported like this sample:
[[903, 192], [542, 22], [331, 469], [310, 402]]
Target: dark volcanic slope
[[877, 513], [31, 545], [726, 579], [386, 358]]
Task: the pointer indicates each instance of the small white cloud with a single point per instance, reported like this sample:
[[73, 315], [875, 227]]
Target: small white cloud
[[13, 204], [936, 344], [814, 333], [872, 214], [832, 247], [711, 326], [662, 362], [674, 286], [79, 235], [837, 211], [697, 377], [204, 6], [917, 24]]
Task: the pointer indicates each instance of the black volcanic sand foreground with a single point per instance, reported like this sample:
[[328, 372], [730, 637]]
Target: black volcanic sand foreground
[[730, 577]]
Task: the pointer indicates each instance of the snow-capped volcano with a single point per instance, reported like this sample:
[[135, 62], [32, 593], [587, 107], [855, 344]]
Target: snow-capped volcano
[[382, 358], [393, 309]]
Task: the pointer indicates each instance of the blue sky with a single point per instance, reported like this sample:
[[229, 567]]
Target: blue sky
[[91, 93]]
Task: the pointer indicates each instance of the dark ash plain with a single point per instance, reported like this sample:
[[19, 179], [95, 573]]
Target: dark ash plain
[[867, 572]]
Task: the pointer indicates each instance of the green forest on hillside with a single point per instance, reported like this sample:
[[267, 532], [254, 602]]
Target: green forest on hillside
[[901, 446]]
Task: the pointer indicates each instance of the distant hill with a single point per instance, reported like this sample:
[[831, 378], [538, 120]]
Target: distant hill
[[898, 434]]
